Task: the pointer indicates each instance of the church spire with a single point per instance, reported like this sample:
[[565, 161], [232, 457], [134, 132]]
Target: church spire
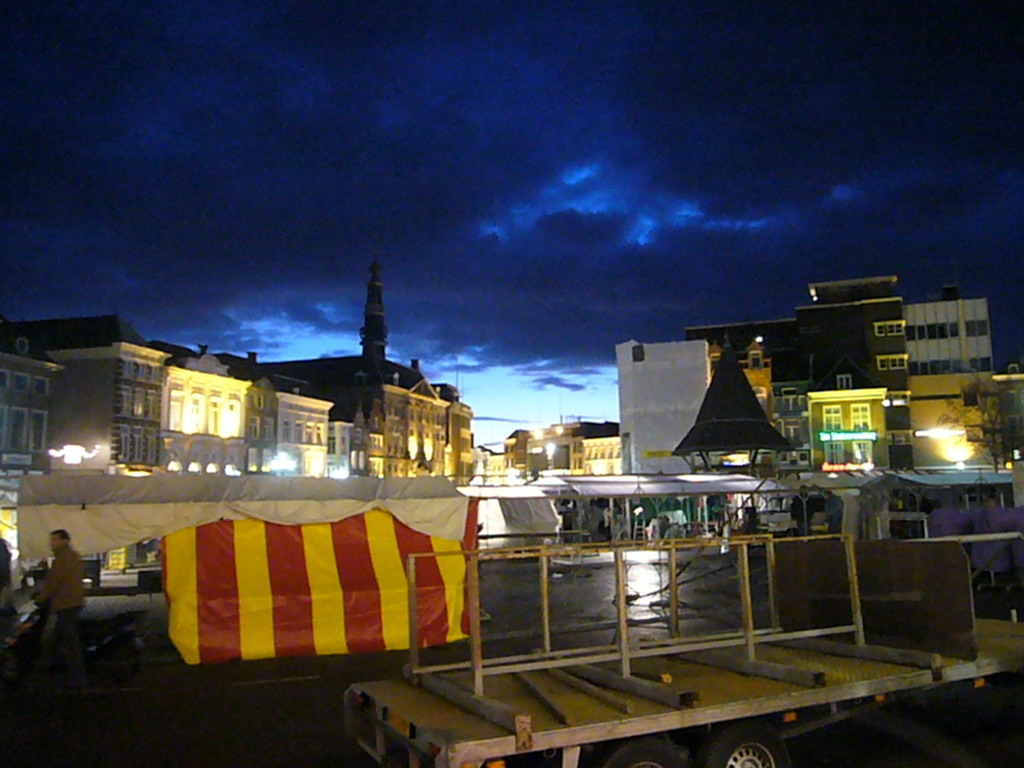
[[374, 333]]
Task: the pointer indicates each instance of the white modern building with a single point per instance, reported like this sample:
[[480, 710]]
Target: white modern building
[[948, 335], [661, 387]]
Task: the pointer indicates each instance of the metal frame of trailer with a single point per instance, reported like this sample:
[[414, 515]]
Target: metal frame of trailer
[[563, 701]]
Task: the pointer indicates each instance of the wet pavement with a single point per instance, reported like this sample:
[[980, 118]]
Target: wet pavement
[[288, 712]]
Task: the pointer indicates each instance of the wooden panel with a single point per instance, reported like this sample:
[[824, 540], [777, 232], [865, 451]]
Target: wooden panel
[[913, 594]]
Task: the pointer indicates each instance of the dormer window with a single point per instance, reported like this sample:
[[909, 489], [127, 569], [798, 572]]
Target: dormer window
[[844, 381], [755, 361], [21, 345]]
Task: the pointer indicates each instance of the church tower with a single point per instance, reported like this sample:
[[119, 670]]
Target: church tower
[[374, 333]]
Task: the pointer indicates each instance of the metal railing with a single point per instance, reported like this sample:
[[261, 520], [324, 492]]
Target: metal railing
[[623, 651]]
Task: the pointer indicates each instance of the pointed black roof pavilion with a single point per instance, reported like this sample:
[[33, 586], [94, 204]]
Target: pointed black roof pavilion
[[730, 418]]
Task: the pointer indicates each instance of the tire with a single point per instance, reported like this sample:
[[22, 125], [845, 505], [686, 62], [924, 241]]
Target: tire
[[645, 753], [745, 744]]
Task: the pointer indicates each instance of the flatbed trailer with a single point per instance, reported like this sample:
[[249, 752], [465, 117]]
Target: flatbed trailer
[[724, 700]]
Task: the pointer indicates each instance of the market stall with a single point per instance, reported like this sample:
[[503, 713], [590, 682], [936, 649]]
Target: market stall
[[260, 567]]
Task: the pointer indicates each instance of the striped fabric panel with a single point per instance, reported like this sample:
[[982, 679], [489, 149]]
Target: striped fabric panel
[[217, 593], [179, 559], [327, 597], [292, 598], [249, 589], [431, 598], [364, 630]]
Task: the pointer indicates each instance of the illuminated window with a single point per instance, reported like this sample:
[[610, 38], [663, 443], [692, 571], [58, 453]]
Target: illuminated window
[[860, 416], [862, 451], [195, 415], [891, 362], [177, 408], [214, 417], [832, 417]]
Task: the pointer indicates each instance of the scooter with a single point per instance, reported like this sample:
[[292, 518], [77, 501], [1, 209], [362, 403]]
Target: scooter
[[110, 646]]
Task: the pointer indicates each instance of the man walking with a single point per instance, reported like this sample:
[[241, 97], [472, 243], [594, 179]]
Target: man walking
[[63, 589]]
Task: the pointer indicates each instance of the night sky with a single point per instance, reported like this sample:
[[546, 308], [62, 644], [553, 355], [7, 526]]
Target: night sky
[[538, 184]]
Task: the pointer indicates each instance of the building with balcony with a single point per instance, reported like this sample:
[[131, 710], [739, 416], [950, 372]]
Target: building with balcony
[[204, 410]]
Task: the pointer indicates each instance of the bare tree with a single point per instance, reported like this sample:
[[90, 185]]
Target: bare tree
[[985, 410]]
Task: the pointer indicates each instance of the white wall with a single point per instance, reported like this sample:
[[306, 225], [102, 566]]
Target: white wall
[[658, 400]]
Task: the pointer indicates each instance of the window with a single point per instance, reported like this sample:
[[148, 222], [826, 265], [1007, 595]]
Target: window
[[832, 417], [286, 431], [891, 362], [915, 368], [860, 416], [862, 451], [21, 382], [214, 424], [3, 379], [177, 407], [835, 453], [38, 431], [138, 403], [3, 426], [332, 443], [138, 446], [638, 353], [17, 438], [911, 332], [889, 328], [268, 429], [254, 427], [985, 363], [150, 441], [844, 381], [152, 404], [954, 330], [195, 414], [977, 327], [40, 386], [755, 361]]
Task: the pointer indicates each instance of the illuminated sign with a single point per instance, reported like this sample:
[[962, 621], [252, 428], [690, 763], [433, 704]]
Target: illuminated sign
[[74, 454], [841, 436], [937, 433], [657, 454], [827, 467]]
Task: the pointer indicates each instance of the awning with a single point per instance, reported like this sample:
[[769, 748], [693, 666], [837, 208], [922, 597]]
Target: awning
[[104, 512]]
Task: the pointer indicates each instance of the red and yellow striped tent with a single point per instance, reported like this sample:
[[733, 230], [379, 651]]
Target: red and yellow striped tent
[[263, 566], [250, 589]]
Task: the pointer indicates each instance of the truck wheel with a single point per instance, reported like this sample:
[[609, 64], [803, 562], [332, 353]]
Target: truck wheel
[[645, 753], [749, 744]]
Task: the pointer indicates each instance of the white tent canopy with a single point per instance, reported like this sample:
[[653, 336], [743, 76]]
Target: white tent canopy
[[104, 512], [625, 486]]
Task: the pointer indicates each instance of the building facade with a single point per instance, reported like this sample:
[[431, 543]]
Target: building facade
[[661, 387], [302, 434], [26, 395], [948, 335], [402, 422], [106, 404], [204, 412]]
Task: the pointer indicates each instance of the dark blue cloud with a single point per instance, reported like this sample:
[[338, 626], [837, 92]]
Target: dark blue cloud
[[539, 184]]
